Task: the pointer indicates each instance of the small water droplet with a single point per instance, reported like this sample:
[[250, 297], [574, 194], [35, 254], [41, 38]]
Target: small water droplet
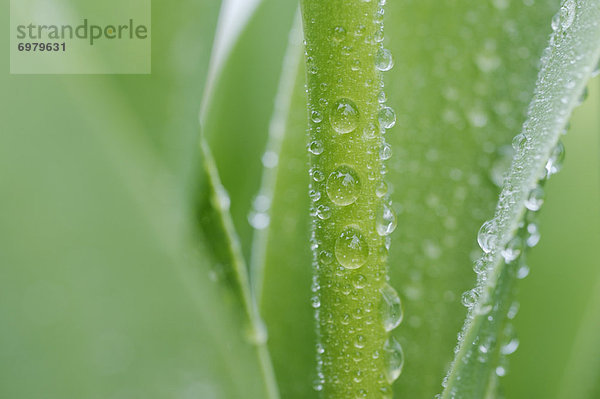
[[535, 199], [469, 298], [339, 34], [522, 271], [316, 116], [344, 116], [360, 341], [381, 189], [381, 97], [314, 195], [383, 60], [317, 175], [386, 152], [557, 156], [343, 186], [533, 235], [391, 308], [323, 212], [325, 257], [370, 130], [359, 281], [385, 222], [512, 250], [351, 249], [487, 236], [315, 302], [510, 347], [387, 117], [394, 359], [315, 147]]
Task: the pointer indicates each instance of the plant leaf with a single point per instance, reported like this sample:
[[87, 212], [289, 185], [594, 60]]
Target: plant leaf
[[566, 66]]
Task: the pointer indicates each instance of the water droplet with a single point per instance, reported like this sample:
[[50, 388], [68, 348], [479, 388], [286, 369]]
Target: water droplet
[[387, 117], [323, 212], [487, 236], [391, 308], [344, 116], [394, 359], [370, 130], [259, 220], [519, 142], [381, 189], [359, 341], [381, 97], [513, 249], [315, 147], [510, 347], [535, 199], [386, 152], [316, 116], [339, 34], [469, 298], [533, 235], [314, 195], [317, 175], [383, 60], [359, 281], [343, 186], [315, 302], [326, 257], [351, 249], [270, 159], [385, 220], [557, 156], [522, 271]]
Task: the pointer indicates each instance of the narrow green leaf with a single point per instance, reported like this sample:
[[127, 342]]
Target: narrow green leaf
[[566, 66]]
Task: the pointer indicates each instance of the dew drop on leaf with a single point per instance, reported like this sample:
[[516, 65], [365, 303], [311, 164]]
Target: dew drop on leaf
[[344, 116], [343, 186], [351, 249], [394, 359], [385, 222], [487, 236], [391, 308], [387, 117], [383, 60]]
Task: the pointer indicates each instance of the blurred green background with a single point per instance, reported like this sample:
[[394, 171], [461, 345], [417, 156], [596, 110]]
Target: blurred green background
[[106, 287]]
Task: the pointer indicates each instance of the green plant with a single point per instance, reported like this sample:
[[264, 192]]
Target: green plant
[[157, 269]]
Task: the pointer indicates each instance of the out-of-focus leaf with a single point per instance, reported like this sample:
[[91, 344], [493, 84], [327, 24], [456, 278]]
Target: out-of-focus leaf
[[236, 116], [106, 290]]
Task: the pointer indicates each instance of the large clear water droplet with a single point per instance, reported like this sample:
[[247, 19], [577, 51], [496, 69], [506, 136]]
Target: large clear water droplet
[[391, 308], [343, 186], [344, 116], [351, 249], [394, 357], [385, 222]]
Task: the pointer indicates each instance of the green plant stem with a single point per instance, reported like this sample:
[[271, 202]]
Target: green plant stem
[[350, 256]]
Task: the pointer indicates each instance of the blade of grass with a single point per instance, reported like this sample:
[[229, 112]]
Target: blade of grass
[[566, 66]]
